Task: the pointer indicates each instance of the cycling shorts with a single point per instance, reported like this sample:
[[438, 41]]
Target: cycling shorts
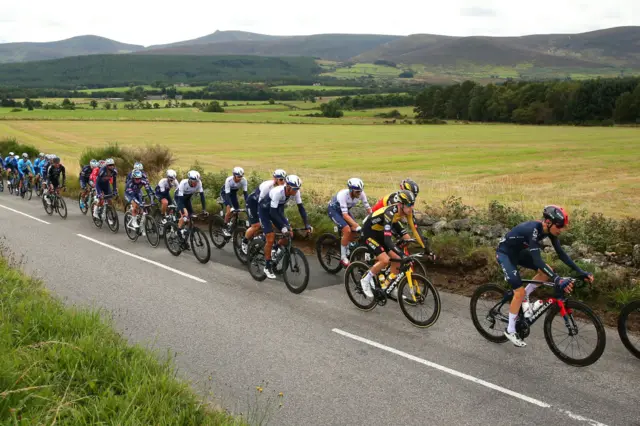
[[336, 216], [184, 203], [509, 264]]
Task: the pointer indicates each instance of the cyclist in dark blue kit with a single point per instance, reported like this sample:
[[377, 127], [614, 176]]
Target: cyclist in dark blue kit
[[521, 247]]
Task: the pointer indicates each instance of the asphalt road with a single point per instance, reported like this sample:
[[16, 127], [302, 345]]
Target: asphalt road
[[334, 364]]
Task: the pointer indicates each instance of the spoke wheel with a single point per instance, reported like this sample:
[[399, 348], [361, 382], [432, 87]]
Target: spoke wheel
[[362, 254], [296, 271], [490, 316], [215, 232], [112, 219], [61, 206], [425, 310], [256, 262], [200, 245], [48, 207], [82, 201], [629, 327], [152, 230], [352, 276], [328, 252], [172, 239], [131, 232], [238, 235]]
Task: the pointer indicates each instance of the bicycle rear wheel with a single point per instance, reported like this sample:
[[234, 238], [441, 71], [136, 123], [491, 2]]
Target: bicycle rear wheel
[[61, 207], [131, 232], [215, 232], [629, 327], [296, 271], [200, 245], [578, 321], [328, 251], [362, 254], [112, 219], [82, 202], [172, 239], [493, 317], [256, 262], [238, 235]]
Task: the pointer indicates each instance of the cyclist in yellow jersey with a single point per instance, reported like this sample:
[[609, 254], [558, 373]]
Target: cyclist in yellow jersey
[[377, 231]]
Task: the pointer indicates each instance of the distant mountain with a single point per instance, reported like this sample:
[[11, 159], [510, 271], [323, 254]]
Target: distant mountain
[[75, 46], [219, 37]]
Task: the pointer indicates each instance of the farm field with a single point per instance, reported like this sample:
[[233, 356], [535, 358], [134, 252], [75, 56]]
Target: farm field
[[146, 87], [523, 166], [319, 88]]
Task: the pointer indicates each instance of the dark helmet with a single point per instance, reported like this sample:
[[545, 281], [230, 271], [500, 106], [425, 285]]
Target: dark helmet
[[406, 198], [557, 215], [410, 185]]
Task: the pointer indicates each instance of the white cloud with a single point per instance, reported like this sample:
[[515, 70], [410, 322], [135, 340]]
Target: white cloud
[[146, 22]]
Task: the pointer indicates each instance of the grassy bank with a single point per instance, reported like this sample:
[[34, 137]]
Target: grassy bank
[[69, 366]]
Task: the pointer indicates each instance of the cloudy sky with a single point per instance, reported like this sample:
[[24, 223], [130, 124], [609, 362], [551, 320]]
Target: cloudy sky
[[147, 22]]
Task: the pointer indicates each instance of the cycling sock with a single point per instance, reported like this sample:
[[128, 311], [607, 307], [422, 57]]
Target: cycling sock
[[511, 328], [530, 288], [343, 251], [268, 264]]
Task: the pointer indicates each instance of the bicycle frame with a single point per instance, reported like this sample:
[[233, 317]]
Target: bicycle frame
[[405, 270]]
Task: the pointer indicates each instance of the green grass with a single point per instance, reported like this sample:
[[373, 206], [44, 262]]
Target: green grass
[[146, 87], [318, 88], [68, 366], [522, 166], [364, 70]]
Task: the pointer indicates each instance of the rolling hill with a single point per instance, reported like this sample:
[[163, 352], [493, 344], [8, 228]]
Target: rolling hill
[[75, 46]]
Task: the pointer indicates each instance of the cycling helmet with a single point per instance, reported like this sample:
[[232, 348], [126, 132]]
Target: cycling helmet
[[406, 198], [16, 157], [138, 166], [93, 163], [171, 174], [279, 174], [238, 171], [410, 185], [41, 155], [109, 162], [101, 163], [56, 159], [25, 155], [355, 184], [293, 181], [137, 174], [557, 215], [193, 175], [11, 154]]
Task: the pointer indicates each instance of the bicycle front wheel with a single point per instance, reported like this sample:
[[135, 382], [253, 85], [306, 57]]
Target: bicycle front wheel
[[296, 271], [131, 232], [629, 327], [352, 276], [424, 311], [29, 193], [238, 235], [256, 262], [152, 230], [200, 245], [112, 219], [172, 239], [571, 339], [61, 207], [215, 232], [81, 203]]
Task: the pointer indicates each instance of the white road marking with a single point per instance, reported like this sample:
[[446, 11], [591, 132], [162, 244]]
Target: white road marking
[[184, 274], [466, 377], [24, 214]]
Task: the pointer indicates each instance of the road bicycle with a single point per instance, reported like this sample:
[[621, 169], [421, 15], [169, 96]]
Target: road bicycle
[[53, 201], [328, 249], [87, 201], [147, 225], [577, 319], [237, 230], [108, 213], [363, 253], [288, 261], [189, 238], [27, 188], [170, 216], [12, 184], [414, 291], [629, 327]]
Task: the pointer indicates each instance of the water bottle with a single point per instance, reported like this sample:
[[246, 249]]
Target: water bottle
[[537, 305], [526, 308]]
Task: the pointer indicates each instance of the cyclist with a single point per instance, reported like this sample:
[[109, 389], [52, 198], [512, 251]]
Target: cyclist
[[37, 163], [339, 213], [24, 167], [252, 205], [162, 191], [228, 192], [136, 166], [521, 247], [53, 175], [16, 174], [44, 166], [133, 194], [376, 229], [94, 173], [183, 194], [271, 210], [106, 175], [85, 173]]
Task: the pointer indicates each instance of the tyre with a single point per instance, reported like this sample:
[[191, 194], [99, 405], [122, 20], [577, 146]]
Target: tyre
[[39, 189], [578, 320], [256, 261], [172, 239], [328, 251], [215, 232], [48, 207], [157, 216], [29, 193], [132, 233], [112, 219], [80, 202], [494, 312], [352, 276], [238, 235], [629, 327], [427, 299], [97, 221], [200, 245], [62, 207], [362, 254], [152, 229], [296, 271]]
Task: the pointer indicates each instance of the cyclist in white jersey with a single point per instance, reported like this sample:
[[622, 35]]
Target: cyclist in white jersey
[[228, 192]]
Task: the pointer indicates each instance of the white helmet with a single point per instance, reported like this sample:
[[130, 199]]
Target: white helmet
[[193, 175], [279, 174], [41, 155], [238, 171], [11, 154], [293, 181], [138, 166], [109, 162], [355, 184], [93, 163], [171, 174], [25, 155]]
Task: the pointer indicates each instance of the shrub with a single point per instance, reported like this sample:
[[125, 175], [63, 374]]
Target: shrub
[[505, 215], [11, 144], [16, 110], [391, 114], [452, 208], [155, 158], [213, 106], [120, 155]]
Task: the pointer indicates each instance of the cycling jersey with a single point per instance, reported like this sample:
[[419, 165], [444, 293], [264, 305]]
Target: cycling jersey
[[53, 175], [229, 190], [271, 209], [521, 246], [377, 227], [133, 190], [390, 199], [163, 188], [256, 196], [104, 178], [24, 167], [128, 179], [36, 166], [185, 192], [85, 173], [342, 200], [44, 168], [94, 175]]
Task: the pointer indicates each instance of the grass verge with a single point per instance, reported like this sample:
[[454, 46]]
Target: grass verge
[[67, 365]]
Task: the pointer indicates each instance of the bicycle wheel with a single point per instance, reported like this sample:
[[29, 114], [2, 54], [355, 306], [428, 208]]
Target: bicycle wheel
[[238, 235], [152, 230], [494, 312], [172, 239], [296, 271], [200, 245], [29, 193], [629, 327], [82, 202], [215, 231], [39, 189], [61, 207], [352, 276], [579, 319], [48, 207], [362, 254], [427, 301], [131, 232], [256, 262], [157, 216], [328, 251], [112, 219]]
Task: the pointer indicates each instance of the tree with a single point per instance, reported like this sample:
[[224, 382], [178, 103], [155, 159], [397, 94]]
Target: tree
[[93, 103], [406, 74], [331, 110], [171, 92], [438, 104], [212, 107], [271, 101], [156, 105], [67, 104]]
